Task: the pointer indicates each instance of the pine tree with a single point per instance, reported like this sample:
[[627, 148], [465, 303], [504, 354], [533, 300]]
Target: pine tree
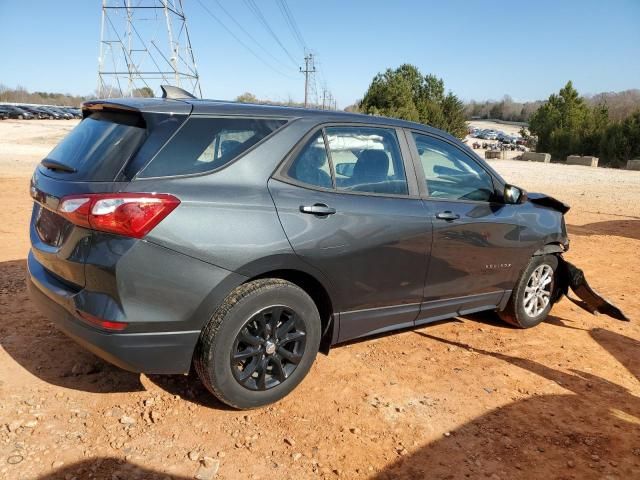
[[407, 94]]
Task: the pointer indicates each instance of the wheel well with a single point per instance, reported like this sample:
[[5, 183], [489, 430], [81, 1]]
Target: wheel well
[[553, 247], [318, 294]]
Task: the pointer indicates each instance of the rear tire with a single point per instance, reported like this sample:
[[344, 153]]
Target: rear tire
[[535, 293], [259, 344]]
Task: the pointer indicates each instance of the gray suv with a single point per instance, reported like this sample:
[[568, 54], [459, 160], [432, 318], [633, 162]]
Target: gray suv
[[242, 239]]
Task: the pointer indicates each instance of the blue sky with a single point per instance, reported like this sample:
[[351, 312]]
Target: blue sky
[[482, 49]]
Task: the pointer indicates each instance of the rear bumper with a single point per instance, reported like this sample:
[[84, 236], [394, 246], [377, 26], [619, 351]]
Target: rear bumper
[[164, 352]]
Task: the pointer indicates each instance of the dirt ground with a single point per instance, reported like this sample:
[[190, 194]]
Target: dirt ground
[[465, 398]]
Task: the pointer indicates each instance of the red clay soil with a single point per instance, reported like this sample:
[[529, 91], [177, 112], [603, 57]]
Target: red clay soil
[[466, 398]]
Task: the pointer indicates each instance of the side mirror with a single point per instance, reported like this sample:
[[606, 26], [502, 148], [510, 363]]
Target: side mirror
[[514, 195], [345, 169]]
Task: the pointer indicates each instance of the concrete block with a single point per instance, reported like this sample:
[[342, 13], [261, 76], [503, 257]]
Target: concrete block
[[536, 157], [633, 164], [585, 161], [489, 154]]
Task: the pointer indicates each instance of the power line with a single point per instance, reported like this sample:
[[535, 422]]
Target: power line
[[243, 44], [291, 22], [239, 25], [258, 13], [328, 100]]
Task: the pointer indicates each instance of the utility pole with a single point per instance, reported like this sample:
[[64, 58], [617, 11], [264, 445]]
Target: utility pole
[[330, 100], [324, 97], [309, 67], [144, 43]]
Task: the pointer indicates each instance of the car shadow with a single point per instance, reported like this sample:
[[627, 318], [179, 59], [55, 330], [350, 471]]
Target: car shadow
[[619, 228], [190, 388], [38, 347], [562, 322], [108, 468], [591, 431], [626, 350]]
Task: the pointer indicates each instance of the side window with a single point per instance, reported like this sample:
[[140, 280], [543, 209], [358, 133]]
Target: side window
[[204, 144], [312, 164], [367, 159], [450, 174], [225, 144]]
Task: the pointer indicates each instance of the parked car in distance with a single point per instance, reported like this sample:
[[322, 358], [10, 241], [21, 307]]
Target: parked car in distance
[[242, 239], [35, 111], [63, 114], [17, 113], [480, 134], [53, 114], [74, 112]]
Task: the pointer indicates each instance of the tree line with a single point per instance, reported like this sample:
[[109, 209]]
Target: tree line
[[569, 124], [248, 97], [22, 95], [606, 125], [619, 104], [506, 109]]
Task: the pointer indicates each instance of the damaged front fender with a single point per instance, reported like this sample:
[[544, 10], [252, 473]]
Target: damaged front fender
[[571, 277]]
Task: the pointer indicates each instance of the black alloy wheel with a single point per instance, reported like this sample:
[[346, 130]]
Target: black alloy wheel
[[268, 348]]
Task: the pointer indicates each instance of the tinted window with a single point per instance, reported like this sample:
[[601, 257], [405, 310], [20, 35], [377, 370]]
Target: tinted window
[[99, 146], [205, 144], [450, 173], [312, 164], [367, 159]]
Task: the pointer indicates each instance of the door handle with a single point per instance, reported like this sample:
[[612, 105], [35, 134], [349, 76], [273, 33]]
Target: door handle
[[319, 209], [447, 215]]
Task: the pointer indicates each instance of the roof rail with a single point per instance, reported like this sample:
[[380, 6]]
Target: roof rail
[[175, 93]]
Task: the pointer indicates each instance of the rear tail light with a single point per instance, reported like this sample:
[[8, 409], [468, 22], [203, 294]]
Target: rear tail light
[[99, 322], [128, 214]]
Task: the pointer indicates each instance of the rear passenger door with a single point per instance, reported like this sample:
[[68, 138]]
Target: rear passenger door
[[348, 201]]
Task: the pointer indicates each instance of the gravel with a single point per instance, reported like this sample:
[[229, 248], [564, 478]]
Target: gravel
[[618, 190]]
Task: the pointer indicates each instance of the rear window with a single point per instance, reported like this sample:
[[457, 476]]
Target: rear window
[[206, 144], [98, 147]]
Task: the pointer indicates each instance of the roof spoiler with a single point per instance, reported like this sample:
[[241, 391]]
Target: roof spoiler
[[175, 93]]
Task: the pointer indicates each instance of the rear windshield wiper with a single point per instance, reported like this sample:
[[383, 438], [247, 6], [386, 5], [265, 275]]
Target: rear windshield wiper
[[54, 165]]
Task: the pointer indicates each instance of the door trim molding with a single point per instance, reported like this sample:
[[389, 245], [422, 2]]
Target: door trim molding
[[372, 321], [435, 310]]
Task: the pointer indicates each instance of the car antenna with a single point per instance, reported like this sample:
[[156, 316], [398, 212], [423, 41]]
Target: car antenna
[[175, 93]]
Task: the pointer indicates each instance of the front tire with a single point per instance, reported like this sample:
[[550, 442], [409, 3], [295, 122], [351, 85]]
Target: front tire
[[535, 293], [259, 344]]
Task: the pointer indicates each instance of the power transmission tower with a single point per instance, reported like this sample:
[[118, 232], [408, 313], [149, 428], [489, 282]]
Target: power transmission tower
[[309, 68], [144, 43]]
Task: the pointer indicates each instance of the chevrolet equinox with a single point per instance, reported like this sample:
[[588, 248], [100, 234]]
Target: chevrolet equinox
[[242, 239]]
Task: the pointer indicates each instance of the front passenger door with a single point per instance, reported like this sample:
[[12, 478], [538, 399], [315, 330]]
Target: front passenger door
[[476, 253]]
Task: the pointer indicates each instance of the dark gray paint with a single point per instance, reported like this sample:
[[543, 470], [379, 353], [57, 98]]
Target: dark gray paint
[[374, 249]]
